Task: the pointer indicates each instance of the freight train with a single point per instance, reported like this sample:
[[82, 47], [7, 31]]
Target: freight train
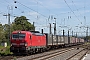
[[31, 42]]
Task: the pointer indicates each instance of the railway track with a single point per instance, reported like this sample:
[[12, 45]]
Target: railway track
[[34, 56], [46, 55], [51, 55], [24, 57], [78, 56], [63, 55]]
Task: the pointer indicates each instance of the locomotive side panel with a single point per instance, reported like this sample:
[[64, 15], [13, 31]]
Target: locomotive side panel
[[38, 40]]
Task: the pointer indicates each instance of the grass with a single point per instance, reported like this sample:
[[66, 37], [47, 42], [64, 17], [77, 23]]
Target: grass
[[1, 47], [5, 51]]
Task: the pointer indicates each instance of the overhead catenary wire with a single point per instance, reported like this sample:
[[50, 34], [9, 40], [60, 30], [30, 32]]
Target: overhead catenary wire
[[47, 9], [76, 8], [9, 7], [2, 12], [31, 9], [26, 7], [84, 12], [42, 5], [36, 10], [71, 10]]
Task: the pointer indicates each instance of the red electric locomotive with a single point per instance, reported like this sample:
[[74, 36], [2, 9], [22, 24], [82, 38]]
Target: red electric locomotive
[[26, 41]]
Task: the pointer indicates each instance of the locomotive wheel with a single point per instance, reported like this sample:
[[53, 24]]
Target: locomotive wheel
[[41, 50]]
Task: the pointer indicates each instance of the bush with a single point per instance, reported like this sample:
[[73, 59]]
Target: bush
[[5, 51]]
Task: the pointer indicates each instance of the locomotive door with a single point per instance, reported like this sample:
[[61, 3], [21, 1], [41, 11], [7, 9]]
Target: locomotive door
[[30, 37]]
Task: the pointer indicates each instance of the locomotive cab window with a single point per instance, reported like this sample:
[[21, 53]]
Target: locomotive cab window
[[18, 36]]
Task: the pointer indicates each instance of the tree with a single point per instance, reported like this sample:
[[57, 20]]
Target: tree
[[6, 31], [21, 23], [2, 34]]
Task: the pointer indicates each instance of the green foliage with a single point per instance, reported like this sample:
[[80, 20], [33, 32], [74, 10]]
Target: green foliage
[[6, 30], [88, 37], [2, 33], [5, 51], [21, 23]]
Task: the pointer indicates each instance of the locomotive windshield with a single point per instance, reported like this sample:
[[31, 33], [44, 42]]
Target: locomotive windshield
[[20, 36]]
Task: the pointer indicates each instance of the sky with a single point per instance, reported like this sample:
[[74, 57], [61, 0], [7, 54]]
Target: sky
[[72, 15]]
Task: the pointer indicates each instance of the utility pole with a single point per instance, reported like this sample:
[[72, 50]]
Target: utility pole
[[9, 26], [42, 31], [55, 27], [72, 33], [87, 32], [68, 37], [63, 33], [76, 34], [50, 28], [34, 25]]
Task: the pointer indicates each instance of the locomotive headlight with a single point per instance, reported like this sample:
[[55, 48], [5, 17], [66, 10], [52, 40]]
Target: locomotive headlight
[[11, 44], [26, 44]]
